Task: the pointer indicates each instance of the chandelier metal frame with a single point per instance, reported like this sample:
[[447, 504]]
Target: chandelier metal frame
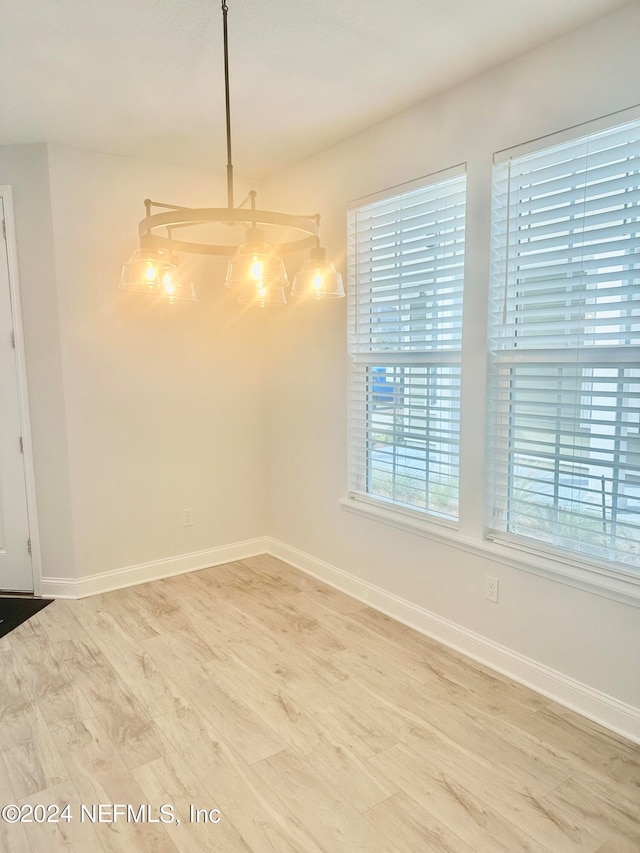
[[175, 216]]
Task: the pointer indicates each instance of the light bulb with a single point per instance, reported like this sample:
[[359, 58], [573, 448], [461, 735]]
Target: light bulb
[[150, 274], [256, 270], [318, 283], [168, 283]]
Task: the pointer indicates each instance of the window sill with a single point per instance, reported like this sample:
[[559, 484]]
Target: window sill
[[599, 581], [428, 525]]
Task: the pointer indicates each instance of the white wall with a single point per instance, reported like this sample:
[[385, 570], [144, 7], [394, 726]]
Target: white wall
[[25, 168], [592, 639], [164, 405], [138, 411]]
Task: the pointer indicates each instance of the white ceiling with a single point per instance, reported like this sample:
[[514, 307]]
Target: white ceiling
[[144, 77]]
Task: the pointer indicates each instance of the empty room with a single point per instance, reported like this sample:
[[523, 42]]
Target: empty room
[[320, 426]]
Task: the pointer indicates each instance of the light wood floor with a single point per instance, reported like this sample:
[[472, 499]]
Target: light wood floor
[[312, 722]]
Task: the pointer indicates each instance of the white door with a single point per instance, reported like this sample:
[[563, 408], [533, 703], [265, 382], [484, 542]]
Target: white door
[[16, 573]]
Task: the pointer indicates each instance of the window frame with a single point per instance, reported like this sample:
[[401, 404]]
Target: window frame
[[395, 359], [594, 358]]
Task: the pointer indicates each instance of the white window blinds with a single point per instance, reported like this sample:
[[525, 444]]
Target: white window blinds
[[564, 394], [406, 268]]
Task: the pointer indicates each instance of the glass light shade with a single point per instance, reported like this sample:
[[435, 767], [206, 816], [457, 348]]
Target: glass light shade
[[318, 277], [262, 295], [155, 274], [256, 263]]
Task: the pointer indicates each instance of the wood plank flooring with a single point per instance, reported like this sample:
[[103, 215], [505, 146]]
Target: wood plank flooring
[[308, 720]]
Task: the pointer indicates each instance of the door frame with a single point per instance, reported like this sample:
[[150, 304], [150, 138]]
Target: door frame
[[6, 194]]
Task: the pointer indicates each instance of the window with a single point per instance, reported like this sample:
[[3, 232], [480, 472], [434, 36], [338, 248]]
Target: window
[[406, 255], [564, 392]]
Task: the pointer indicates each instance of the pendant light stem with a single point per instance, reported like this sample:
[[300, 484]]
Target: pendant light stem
[[227, 100]]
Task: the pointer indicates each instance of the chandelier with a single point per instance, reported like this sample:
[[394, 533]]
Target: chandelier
[[255, 271]]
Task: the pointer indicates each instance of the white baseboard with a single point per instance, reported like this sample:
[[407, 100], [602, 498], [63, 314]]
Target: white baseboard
[[593, 704], [153, 571]]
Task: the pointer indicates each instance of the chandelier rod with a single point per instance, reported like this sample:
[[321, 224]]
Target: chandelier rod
[[227, 101]]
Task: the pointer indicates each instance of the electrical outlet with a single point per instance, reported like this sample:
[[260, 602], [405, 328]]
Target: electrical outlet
[[491, 588], [187, 517]]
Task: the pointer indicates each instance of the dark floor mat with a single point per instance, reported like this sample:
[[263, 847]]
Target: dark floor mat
[[15, 611]]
